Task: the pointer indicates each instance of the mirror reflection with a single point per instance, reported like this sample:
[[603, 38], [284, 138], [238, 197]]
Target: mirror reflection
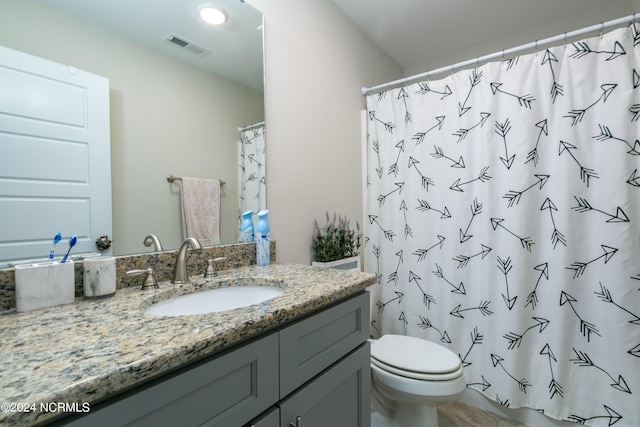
[[170, 113]]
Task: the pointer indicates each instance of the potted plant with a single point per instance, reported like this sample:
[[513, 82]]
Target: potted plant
[[336, 245]]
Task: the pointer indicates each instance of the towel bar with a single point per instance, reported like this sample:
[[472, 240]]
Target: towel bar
[[172, 178]]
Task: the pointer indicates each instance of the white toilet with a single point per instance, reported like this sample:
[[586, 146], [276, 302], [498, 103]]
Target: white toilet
[[410, 376]]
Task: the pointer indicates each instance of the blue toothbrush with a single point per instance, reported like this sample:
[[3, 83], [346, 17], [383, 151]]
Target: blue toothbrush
[[72, 242], [56, 239]]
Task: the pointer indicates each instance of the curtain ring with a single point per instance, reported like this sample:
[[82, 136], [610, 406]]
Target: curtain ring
[[565, 39], [536, 52], [601, 29]]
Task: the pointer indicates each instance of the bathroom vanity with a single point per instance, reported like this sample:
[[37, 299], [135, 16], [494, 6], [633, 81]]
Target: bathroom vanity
[[301, 358]]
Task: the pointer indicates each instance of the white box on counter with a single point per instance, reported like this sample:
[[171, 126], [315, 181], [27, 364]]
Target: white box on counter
[[44, 285]]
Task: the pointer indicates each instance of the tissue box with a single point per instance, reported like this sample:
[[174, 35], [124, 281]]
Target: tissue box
[[44, 285]]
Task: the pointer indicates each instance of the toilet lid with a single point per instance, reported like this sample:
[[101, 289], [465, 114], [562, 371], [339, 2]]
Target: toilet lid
[[414, 355]]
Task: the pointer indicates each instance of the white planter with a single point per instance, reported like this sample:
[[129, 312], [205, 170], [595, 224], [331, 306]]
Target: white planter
[[352, 263]]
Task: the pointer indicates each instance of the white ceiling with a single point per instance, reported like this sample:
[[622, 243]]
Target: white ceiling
[[411, 32], [236, 46]]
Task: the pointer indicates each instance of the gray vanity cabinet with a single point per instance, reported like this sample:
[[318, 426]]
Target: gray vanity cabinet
[[312, 372], [314, 395]]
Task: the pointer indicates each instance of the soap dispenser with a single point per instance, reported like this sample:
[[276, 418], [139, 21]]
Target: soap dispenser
[[263, 248], [246, 227]]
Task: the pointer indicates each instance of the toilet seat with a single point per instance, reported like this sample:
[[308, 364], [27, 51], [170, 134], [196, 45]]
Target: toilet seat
[[415, 358]]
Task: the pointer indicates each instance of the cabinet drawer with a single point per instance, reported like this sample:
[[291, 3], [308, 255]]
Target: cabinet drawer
[[314, 343], [225, 391], [271, 418]]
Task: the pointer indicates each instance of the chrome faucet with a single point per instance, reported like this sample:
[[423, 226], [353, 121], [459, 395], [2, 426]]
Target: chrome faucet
[[180, 274], [150, 281], [211, 271], [151, 239]]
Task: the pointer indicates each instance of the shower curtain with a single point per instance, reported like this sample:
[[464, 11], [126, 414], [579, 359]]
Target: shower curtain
[[503, 222], [251, 171]]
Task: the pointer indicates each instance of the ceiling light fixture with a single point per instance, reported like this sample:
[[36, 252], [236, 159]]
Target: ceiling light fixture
[[211, 15]]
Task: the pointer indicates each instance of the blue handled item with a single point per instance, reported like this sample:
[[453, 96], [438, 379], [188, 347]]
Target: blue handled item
[[72, 242], [56, 239], [263, 255], [246, 227]]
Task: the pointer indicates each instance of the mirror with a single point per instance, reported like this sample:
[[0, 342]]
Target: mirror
[[170, 113]]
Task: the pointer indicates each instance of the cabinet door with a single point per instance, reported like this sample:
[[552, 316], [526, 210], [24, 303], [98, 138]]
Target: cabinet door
[[339, 397], [311, 345], [227, 391]]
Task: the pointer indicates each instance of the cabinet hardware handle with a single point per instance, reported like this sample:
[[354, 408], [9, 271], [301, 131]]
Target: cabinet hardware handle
[[297, 424]]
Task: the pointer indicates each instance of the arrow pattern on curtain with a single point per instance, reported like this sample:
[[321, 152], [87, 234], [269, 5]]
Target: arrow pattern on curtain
[[251, 176], [504, 223]]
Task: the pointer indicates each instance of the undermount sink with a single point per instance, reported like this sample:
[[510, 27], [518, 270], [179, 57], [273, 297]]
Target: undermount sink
[[214, 300]]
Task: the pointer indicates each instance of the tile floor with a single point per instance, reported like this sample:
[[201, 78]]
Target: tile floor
[[458, 414]]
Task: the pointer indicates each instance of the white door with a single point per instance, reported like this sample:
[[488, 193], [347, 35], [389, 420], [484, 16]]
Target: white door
[[55, 159]]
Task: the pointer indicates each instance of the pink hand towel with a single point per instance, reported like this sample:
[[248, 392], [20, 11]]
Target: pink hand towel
[[201, 210]]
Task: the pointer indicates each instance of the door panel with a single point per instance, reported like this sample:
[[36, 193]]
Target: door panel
[[55, 160]]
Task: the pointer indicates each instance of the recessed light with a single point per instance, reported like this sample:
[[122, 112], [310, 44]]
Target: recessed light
[[211, 14]]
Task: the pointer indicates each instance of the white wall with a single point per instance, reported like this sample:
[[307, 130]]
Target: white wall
[[316, 61], [166, 118]]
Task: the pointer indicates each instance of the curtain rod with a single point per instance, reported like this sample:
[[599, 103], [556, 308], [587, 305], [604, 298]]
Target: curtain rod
[[255, 125], [535, 45]]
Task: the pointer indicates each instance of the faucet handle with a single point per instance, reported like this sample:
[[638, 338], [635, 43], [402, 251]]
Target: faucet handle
[[150, 281], [211, 272]]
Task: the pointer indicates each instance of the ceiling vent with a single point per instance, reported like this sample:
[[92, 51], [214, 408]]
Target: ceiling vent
[[186, 44]]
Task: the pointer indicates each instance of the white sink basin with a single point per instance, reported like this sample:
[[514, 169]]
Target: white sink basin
[[214, 300]]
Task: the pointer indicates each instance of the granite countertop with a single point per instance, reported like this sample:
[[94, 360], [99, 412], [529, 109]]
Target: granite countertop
[[81, 352]]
